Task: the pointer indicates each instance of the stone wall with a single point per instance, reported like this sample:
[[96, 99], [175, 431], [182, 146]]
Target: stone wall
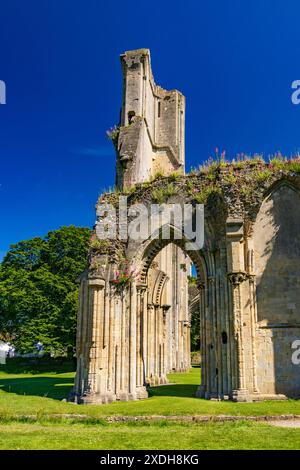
[[277, 254]]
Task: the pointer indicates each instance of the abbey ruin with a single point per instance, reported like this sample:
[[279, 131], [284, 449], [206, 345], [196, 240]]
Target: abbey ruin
[[131, 334]]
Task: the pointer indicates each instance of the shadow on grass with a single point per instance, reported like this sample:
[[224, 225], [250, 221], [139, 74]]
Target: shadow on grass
[[58, 388], [174, 390], [50, 387], [14, 366]]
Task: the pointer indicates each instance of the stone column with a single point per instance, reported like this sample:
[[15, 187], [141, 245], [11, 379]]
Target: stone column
[[208, 337], [79, 378], [203, 343], [213, 345], [117, 343], [150, 344], [141, 345], [95, 389], [235, 241], [144, 300], [124, 366], [139, 364], [240, 393], [253, 313], [132, 342], [111, 378], [166, 340]]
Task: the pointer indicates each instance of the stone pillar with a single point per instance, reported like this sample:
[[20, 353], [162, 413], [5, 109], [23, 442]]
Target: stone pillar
[[111, 378], [225, 332], [117, 344], [166, 340], [133, 341], [208, 337], [95, 353], [252, 304], [214, 340], [79, 378], [155, 344], [139, 364], [122, 347], [203, 341], [150, 345], [240, 393], [144, 307], [237, 275], [141, 344]]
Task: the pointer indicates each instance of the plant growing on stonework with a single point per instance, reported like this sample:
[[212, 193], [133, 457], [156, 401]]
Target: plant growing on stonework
[[280, 163], [158, 174], [192, 280], [203, 195], [95, 264], [189, 185], [261, 176], [193, 171], [242, 160], [294, 165], [209, 166], [98, 244], [229, 178], [113, 134], [124, 276], [246, 191], [174, 176], [160, 195]]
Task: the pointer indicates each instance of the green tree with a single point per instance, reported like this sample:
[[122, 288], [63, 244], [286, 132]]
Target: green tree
[[38, 290]]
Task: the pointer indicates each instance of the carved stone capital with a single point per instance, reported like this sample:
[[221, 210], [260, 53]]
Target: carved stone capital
[[237, 278], [96, 282], [166, 307], [201, 285]]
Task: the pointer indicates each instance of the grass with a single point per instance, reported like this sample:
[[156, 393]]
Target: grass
[[28, 393], [41, 394], [239, 435]]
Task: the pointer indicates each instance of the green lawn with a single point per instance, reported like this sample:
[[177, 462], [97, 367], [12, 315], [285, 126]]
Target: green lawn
[[239, 435], [23, 394], [42, 394]]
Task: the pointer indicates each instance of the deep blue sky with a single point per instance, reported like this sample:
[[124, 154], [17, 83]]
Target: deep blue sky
[[234, 60]]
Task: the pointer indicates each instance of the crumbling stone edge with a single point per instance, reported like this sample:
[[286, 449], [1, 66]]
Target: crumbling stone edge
[[151, 418]]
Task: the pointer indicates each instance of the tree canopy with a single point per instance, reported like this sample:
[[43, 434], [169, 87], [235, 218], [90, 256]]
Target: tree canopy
[[38, 290]]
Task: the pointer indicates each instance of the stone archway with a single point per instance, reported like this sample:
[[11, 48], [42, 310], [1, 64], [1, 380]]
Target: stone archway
[[120, 346], [113, 339], [166, 332]]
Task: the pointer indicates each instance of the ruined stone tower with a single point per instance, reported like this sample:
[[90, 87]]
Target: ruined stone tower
[[151, 137], [151, 142]]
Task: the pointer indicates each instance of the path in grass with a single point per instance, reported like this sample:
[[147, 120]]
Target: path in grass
[[41, 394]]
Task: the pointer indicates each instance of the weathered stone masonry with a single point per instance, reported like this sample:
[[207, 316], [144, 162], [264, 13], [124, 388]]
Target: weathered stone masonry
[[248, 279]]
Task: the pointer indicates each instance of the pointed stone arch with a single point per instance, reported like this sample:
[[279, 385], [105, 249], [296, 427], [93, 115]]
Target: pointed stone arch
[[150, 248]]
